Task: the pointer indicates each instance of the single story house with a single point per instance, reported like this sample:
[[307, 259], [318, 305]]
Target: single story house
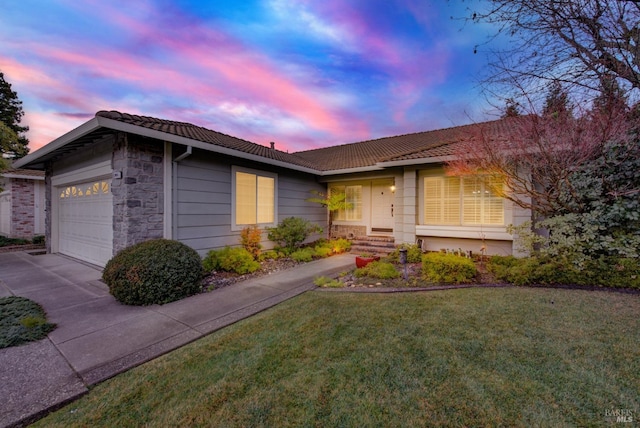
[[22, 203], [120, 179]]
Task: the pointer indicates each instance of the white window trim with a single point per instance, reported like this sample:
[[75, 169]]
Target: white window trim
[[234, 170], [480, 231]]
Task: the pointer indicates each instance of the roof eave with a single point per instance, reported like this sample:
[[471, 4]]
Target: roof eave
[[58, 143], [351, 170], [423, 161], [23, 176], [103, 122]]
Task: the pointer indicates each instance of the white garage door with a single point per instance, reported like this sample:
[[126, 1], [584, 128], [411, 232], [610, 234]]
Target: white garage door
[[85, 221]]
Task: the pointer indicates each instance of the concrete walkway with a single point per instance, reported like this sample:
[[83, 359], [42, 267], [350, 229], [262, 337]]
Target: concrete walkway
[[97, 337]]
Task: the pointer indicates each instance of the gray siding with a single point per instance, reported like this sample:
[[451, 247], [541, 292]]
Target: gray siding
[[202, 200]]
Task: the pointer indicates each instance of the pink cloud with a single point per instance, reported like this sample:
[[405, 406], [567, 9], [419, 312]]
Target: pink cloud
[[218, 60]]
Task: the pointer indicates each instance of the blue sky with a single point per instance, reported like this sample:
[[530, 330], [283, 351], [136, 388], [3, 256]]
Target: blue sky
[[304, 74]]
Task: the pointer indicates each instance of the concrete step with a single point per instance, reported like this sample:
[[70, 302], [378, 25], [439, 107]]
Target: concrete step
[[378, 245]]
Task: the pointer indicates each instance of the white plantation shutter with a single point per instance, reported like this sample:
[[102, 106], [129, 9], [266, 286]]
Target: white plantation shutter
[[472, 201], [442, 200], [493, 202], [353, 195], [463, 201]]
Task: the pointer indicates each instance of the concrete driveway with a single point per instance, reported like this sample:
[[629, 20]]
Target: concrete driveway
[[97, 337]]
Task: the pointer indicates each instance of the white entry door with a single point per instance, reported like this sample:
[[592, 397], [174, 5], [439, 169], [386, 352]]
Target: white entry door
[[382, 207], [85, 221]]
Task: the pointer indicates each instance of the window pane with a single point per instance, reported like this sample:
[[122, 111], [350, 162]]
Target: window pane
[[245, 198], [266, 202], [493, 203], [441, 200], [354, 197], [472, 201], [451, 200], [340, 214], [432, 200]]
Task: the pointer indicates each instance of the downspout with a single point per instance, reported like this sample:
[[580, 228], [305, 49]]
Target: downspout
[[174, 186]]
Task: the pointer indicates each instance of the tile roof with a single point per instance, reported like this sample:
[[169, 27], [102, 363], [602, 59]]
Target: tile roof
[[419, 145], [198, 133], [363, 154]]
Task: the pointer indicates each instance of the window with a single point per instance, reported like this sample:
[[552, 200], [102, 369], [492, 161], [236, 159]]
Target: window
[[463, 201], [354, 197], [254, 198]]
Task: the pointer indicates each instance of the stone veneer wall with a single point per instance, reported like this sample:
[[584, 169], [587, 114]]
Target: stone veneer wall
[[347, 231], [138, 197], [22, 208]]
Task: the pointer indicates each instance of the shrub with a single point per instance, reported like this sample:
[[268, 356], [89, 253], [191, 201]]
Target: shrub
[[250, 238], [303, 255], [414, 253], [325, 282], [447, 268], [378, 269], [340, 245], [21, 320], [323, 251], [604, 271], [153, 272], [38, 240], [271, 255], [292, 231], [237, 260]]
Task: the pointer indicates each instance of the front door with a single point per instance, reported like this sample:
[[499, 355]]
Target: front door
[[382, 201]]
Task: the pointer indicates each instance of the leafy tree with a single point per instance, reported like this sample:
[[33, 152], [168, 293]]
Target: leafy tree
[[334, 202], [10, 115]]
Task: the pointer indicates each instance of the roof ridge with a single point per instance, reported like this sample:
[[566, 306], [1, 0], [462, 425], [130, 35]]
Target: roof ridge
[[404, 135]]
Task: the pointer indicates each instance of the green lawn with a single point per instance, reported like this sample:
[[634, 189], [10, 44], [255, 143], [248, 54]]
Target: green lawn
[[467, 357]]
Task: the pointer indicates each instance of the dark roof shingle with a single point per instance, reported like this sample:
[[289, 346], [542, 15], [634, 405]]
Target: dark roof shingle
[[198, 133], [418, 145]]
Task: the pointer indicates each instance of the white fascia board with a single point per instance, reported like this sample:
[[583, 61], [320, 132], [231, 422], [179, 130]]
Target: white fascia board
[[26, 177], [351, 170], [163, 136], [59, 142], [423, 161]]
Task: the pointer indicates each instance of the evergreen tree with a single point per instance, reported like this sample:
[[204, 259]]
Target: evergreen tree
[[557, 102], [11, 114], [511, 109]]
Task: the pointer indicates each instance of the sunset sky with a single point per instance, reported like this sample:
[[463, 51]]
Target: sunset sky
[[304, 74]]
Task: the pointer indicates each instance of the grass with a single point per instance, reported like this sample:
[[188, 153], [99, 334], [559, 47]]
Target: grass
[[467, 357], [21, 321]]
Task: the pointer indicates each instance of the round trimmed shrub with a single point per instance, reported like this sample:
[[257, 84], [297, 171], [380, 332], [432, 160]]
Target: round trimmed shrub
[[153, 272], [447, 268]]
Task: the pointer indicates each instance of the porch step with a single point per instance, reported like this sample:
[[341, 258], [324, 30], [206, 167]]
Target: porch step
[[377, 245]]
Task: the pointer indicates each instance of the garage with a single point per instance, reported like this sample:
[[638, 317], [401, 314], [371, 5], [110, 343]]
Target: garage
[[85, 220]]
